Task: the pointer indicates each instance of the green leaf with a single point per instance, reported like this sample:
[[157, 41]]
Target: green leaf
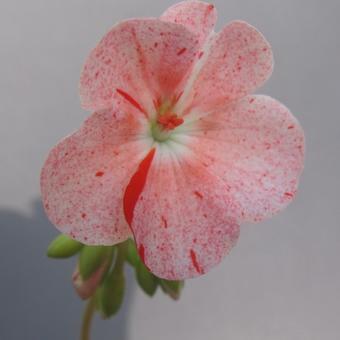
[[146, 280], [111, 294], [172, 288], [63, 247], [132, 254], [91, 257]]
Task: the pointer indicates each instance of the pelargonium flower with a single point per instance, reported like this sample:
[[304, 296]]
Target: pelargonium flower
[[177, 153]]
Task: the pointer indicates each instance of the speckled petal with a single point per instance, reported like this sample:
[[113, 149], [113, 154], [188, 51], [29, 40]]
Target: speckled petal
[[142, 60], [239, 61], [198, 16], [256, 147], [85, 175], [180, 222]]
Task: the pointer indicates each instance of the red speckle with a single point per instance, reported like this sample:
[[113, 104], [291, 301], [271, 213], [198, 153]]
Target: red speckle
[[99, 173], [165, 222], [290, 127], [83, 215], [136, 185], [251, 100], [183, 50], [195, 263], [155, 44], [131, 100], [289, 194], [200, 55], [198, 194], [169, 121]]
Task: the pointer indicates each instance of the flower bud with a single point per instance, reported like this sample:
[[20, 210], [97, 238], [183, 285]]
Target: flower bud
[[172, 288], [132, 254], [91, 258], [146, 280], [85, 289], [63, 246], [110, 294]]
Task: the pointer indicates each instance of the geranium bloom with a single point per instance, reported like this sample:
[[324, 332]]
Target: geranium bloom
[[177, 153]]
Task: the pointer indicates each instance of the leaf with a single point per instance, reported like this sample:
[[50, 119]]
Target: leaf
[[146, 280], [90, 259], [111, 294], [172, 288], [63, 247]]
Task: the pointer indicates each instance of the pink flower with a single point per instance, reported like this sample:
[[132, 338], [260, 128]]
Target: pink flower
[[176, 151]]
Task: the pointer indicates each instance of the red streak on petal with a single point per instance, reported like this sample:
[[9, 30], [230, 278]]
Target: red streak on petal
[[165, 222], [131, 100], [141, 251], [180, 52], [289, 194], [136, 186], [291, 127], [195, 263], [99, 173], [198, 194], [209, 9]]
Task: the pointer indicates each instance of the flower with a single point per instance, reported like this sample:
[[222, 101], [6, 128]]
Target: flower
[[177, 151]]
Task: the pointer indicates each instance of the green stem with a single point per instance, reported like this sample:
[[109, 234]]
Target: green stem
[[87, 319]]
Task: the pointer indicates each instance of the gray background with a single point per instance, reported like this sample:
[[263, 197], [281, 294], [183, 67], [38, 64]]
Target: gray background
[[282, 280]]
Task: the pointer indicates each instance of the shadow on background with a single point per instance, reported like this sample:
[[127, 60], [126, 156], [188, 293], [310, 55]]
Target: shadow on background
[[37, 298]]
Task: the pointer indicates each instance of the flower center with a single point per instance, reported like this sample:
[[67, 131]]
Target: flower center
[[166, 121], [165, 124]]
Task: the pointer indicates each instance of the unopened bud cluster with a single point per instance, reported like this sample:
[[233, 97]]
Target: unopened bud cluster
[[99, 273]]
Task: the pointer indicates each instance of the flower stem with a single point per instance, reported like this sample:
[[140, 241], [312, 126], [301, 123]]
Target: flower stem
[[87, 319]]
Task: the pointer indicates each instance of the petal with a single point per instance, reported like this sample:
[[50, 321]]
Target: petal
[[84, 177], [256, 147], [199, 17], [141, 60], [180, 222], [239, 61]]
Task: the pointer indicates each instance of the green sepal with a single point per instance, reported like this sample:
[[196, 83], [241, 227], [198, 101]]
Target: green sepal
[[110, 295], [132, 254], [172, 288], [146, 280], [109, 259], [63, 247], [91, 257]]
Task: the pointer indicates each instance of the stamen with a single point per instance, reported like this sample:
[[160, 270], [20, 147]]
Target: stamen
[[169, 121]]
